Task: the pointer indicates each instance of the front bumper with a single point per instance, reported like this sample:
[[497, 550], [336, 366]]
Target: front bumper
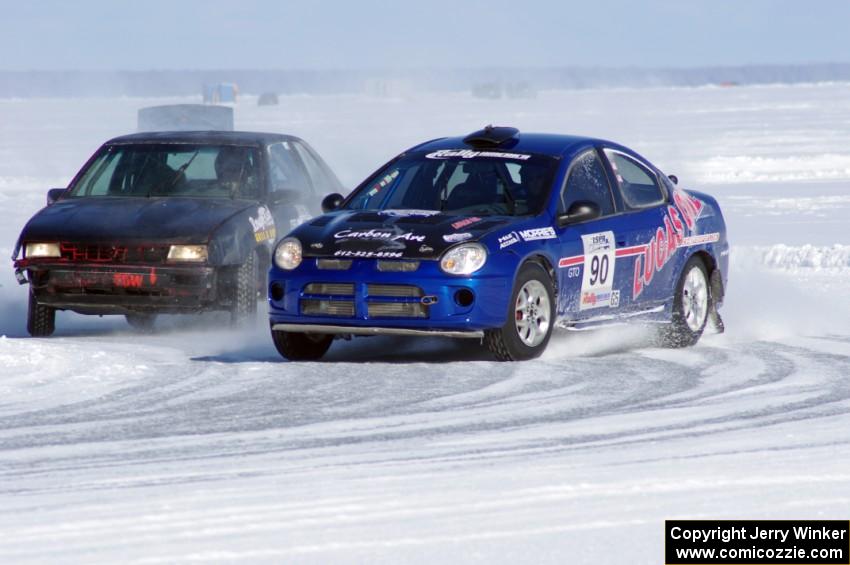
[[366, 312], [123, 289]]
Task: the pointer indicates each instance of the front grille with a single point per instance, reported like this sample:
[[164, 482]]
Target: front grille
[[380, 300], [394, 290], [333, 264], [398, 266], [397, 310], [338, 289], [107, 253], [314, 307]]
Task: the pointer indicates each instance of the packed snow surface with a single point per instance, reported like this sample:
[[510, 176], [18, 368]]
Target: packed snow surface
[[202, 445]]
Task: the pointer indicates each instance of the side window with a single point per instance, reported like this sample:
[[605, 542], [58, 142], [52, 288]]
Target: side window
[[285, 169], [588, 181], [638, 184], [314, 168]]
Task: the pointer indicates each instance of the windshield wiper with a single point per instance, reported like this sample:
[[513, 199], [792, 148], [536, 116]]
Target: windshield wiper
[[180, 170]]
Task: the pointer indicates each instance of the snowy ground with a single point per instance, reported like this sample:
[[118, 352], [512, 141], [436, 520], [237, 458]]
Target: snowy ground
[[202, 445]]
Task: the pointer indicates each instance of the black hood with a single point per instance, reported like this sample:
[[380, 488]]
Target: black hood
[[167, 220], [391, 233]]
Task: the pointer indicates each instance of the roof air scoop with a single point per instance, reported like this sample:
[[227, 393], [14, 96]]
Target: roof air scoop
[[491, 136]]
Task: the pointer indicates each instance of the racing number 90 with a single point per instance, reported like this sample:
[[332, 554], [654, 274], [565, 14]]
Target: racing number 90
[[598, 270]]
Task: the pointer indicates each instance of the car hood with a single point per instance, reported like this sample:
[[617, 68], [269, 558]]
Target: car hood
[[172, 220], [391, 233]]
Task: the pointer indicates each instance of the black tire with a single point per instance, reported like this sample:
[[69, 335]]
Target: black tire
[[301, 346], [505, 343], [141, 322], [41, 319], [243, 307], [679, 332]]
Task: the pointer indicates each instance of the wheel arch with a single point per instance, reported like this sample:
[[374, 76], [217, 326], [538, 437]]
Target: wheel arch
[[715, 281]]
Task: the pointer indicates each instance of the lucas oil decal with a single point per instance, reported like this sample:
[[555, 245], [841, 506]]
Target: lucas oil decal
[[667, 239], [263, 225], [599, 262]]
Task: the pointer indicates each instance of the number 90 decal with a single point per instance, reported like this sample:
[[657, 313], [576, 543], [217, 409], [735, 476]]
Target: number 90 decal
[[599, 263]]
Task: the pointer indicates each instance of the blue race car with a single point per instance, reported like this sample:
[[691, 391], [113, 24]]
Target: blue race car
[[501, 236]]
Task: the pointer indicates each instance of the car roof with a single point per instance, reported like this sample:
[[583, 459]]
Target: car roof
[[540, 143], [203, 137]]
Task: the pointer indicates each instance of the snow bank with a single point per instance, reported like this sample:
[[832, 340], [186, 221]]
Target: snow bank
[[834, 258]]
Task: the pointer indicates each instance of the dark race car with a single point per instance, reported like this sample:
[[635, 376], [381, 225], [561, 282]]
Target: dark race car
[[168, 223], [500, 237]]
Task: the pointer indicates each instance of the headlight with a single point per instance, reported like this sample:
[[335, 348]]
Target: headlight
[[193, 253], [33, 250], [464, 259], [287, 255]]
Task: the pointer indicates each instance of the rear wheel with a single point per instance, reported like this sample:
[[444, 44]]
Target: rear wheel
[[301, 346], [41, 319], [244, 300], [531, 317], [691, 305], [141, 322]]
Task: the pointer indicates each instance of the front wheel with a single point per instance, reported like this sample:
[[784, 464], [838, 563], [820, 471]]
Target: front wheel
[[531, 317], [691, 305], [301, 346], [41, 319]]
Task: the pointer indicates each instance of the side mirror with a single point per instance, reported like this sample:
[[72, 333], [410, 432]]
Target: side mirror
[[673, 178], [331, 202], [580, 211], [54, 194]]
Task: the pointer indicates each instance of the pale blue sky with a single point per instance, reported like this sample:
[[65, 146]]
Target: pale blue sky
[[368, 34]]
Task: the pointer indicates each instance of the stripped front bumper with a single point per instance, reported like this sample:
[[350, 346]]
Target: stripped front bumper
[[123, 289]]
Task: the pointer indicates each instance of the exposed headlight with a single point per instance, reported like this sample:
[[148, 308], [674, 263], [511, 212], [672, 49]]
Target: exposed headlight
[[287, 255], [464, 259], [33, 250], [193, 253]]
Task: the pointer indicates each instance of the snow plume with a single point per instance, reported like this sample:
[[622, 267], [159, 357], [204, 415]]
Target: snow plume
[[780, 291]]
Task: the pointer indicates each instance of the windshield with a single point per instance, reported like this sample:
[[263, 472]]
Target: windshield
[[145, 170], [460, 181]]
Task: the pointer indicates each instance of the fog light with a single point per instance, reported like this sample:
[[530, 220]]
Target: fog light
[[464, 297], [276, 291]]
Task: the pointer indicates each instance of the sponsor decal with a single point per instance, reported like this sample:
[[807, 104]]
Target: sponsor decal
[[368, 254], [457, 237], [379, 234], [701, 239], [668, 238], [470, 154], [600, 253], [409, 213], [128, 280], [317, 245], [599, 261], [537, 233], [465, 222], [263, 225], [508, 239], [425, 249], [378, 186]]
